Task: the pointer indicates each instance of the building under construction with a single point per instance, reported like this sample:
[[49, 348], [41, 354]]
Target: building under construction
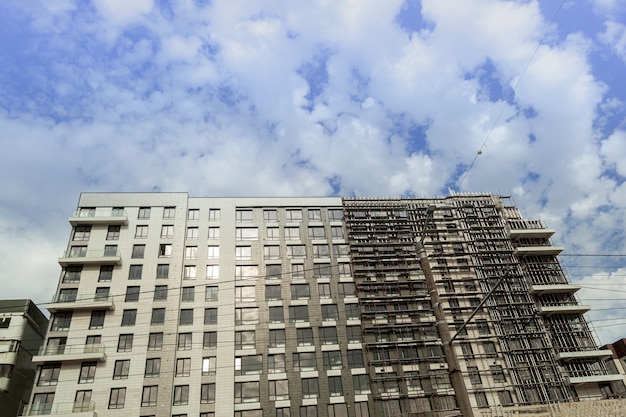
[[170, 305]]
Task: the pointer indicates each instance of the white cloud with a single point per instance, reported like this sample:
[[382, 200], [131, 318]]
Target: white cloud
[[615, 37]]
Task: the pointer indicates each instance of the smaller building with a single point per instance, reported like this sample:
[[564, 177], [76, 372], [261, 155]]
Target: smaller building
[[22, 330], [617, 365]]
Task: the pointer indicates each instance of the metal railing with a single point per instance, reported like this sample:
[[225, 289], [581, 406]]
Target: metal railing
[[72, 298], [102, 253], [69, 350], [43, 409], [100, 213]]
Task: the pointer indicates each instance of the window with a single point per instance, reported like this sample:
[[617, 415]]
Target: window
[[165, 250], [271, 252], [144, 214], [97, 319], [297, 271], [328, 335], [279, 390], [213, 252], [42, 403], [163, 271], [212, 271], [308, 411], [245, 294], [61, 322], [292, 233], [181, 395], [82, 233], [155, 341], [149, 396], [210, 316], [283, 412], [321, 251], [141, 232], [293, 215], [110, 250], [243, 253], [276, 314], [315, 215], [193, 214], [273, 233], [82, 401], [210, 293], [310, 388], [167, 231], [243, 216], [134, 272], [247, 233], [153, 367], [246, 272], [334, 387], [192, 233], [467, 350], [207, 393], [361, 384], [355, 359], [347, 289], [191, 252], [341, 250], [246, 316], [276, 363], [185, 341], [246, 392], [209, 340], [497, 373], [160, 293], [300, 292], [87, 372], [49, 374], [323, 290], [71, 274], [186, 317], [248, 365], [330, 312], [188, 294], [190, 272], [246, 339], [304, 336], [277, 338], [67, 295], [474, 375], [113, 233], [120, 370], [209, 365], [117, 397], [158, 316], [272, 292], [505, 398], [183, 366], [483, 327], [125, 343], [106, 273], [270, 216], [481, 400], [335, 214], [132, 294], [214, 233], [138, 251], [78, 251], [317, 232], [332, 359], [298, 314], [352, 311], [129, 317], [321, 270], [353, 334], [296, 251], [273, 271], [336, 232], [344, 270]]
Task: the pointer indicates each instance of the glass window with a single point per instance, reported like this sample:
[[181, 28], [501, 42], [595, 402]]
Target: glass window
[[186, 317], [246, 272], [138, 251], [271, 252], [353, 334], [352, 311], [336, 232], [243, 216], [81, 233], [190, 272], [347, 289], [71, 274], [270, 216], [361, 384], [183, 366], [185, 341], [279, 390], [315, 215], [276, 314], [324, 290], [355, 359], [149, 396], [332, 359], [120, 369], [328, 335], [209, 340], [212, 271], [304, 336], [277, 338], [193, 214], [246, 392], [188, 293], [497, 373], [246, 316], [132, 294], [273, 233], [276, 363], [243, 253], [61, 322], [207, 393], [247, 233], [144, 213], [310, 388], [213, 252], [165, 250], [155, 341], [298, 314], [97, 319], [169, 212], [321, 251], [273, 271], [160, 293], [297, 271], [335, 214], [153, 367], [334, 387], [248, 365], [191, 252], [82, 401], [300, 292], [134, 272], [163, 271], [158, 316], [129, 317], [209, 364], [292, 233], [210, 293], [181, 395], [210, 316], [192, 233], [272, 292], [341, 250], [246, 339], [78, 251], [125, 343], [113, 233], [317, 232], [321, 270], [330, 312], [118, 395], [245, 294], [296, 251], [87, 372], [214, 233], [49, 374], [293, 215], [141, 231]]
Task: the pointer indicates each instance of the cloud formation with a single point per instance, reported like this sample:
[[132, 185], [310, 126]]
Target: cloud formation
[[363, 98]]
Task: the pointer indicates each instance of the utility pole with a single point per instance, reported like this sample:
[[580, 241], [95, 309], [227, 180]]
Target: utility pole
[[456, 377]]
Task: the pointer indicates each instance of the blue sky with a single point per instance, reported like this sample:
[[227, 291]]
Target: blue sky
[[352, 98]]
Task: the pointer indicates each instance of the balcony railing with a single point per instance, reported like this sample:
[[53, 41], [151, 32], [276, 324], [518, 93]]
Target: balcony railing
[[99, 216], [71, 302], [44, 409], [70, 353], [82, 256]]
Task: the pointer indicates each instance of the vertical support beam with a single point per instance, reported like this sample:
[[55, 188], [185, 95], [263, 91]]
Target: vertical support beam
[[456, 377]]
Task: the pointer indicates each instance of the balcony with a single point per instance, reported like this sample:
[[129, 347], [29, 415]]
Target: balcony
[[64, 302], [538, 250], [584, 354], [77, 409], [99, 216], [593, 379], [545, 289], [550, 310], [70, 353], [86, 257], [530, 233]]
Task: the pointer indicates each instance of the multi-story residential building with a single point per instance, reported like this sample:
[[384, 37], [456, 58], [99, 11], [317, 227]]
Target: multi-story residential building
[[22, 331], [247, 307]]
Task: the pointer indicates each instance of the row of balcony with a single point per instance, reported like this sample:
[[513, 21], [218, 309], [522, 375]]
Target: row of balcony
[[75, 409], [76, 256], [99, 216], [70, 302], [94, 352]]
